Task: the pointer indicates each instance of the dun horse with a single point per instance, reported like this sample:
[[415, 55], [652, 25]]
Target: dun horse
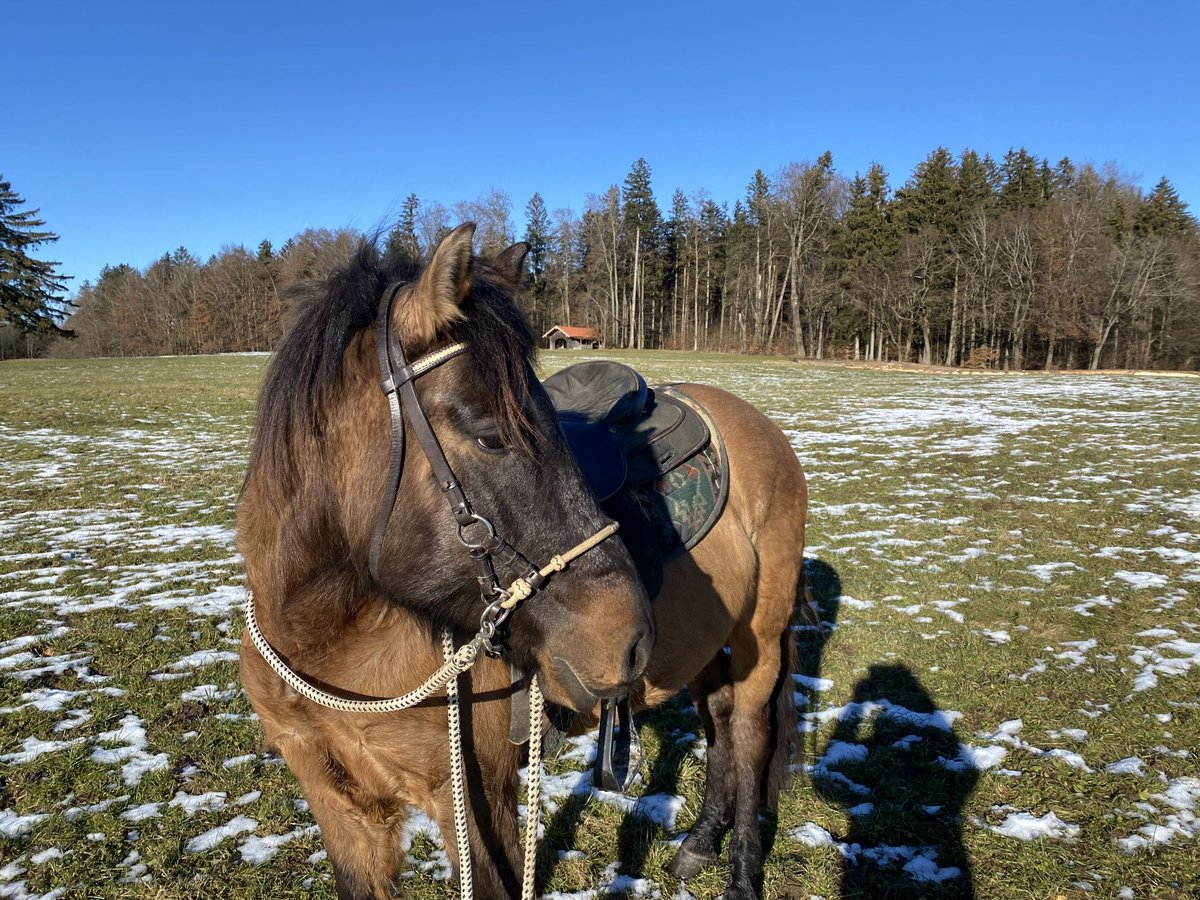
[[366, 627]]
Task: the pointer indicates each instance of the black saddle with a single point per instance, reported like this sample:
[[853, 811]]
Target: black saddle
[[630, 441], [622, 433]]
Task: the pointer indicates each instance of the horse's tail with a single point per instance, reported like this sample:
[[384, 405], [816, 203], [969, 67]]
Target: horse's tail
[[783, 722]]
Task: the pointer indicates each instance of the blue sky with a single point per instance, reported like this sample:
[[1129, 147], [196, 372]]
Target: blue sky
[[141, 127]]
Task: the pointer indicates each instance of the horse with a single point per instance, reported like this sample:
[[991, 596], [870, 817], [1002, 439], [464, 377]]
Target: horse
[[354, 565]]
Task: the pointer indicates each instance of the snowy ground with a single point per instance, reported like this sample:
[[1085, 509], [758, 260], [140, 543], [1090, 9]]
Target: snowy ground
[[1002, 692]]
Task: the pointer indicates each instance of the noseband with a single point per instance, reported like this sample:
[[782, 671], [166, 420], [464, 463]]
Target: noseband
[[475, 532]]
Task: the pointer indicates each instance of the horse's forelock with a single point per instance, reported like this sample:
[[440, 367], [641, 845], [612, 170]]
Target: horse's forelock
[[305, 374], [502, 347]]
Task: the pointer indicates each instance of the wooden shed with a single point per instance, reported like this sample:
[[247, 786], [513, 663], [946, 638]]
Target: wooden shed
[[567, 337]]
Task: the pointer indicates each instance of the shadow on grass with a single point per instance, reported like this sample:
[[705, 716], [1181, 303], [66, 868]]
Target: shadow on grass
[[668, 733], [895, 763], [889, 771]]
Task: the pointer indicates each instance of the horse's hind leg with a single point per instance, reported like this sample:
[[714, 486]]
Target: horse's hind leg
[[752, 731], [712, 692]]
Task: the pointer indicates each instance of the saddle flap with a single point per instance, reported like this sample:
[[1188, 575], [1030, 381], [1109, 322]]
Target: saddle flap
[[598, 455], [668, 435]]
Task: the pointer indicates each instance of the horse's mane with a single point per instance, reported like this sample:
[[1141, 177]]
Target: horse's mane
[[305, 374]]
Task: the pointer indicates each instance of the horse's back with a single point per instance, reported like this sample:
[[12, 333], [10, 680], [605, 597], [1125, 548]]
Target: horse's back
[[714, 590]]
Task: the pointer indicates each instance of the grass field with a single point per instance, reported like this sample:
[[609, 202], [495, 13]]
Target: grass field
[[1004, 697]]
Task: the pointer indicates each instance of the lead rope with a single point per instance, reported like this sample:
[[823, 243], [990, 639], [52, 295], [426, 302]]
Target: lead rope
[[533, 786], [458, 788]]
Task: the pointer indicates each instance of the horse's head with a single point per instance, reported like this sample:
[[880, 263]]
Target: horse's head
[[589, 630]]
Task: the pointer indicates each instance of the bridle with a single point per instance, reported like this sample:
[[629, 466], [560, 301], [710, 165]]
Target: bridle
[[398, 385]]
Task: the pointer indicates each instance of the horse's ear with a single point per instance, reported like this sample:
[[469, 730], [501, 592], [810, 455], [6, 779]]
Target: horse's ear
[[510, 265], [441, 289]]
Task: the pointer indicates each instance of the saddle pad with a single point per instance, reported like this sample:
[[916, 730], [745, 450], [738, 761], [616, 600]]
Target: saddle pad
[[685, 501]]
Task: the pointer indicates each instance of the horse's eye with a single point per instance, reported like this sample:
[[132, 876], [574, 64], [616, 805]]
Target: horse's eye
[[492, 443]]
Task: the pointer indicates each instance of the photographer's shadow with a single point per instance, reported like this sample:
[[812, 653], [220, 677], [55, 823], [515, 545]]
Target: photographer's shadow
[[893, 764]]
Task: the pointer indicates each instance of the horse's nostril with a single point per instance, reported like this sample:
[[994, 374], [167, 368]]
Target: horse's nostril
[[639, 654]]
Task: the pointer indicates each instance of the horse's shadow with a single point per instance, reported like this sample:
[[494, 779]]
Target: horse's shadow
[[671, 729]]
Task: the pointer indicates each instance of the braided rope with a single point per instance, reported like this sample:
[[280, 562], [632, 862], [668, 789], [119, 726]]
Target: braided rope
[[533, 787], [454, 666], [458, 788], [521, 589]]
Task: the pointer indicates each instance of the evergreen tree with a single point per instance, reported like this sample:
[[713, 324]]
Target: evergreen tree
[[929, 199], [641, 227], [1064, 176], [758, 195], [402, 239], [538, 234], [1024, 187], [640, 209], [1163, 213], [975, 189], [31, 291]]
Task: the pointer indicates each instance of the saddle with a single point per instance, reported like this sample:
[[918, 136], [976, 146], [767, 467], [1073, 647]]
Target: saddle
[[657, 466], [648, 454]]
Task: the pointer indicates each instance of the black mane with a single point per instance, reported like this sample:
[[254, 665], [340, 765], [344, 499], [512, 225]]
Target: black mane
[[305, 373]]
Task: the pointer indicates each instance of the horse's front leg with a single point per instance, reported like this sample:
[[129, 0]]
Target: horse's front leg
[[495, 841], [712, 693]]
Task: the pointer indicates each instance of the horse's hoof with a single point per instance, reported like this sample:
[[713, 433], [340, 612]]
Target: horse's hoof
[[739, 892], [688, 863]]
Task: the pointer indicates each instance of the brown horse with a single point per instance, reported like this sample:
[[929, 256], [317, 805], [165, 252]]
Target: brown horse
[[317, 474]]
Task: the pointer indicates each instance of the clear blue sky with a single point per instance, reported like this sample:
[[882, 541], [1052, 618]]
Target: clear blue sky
[[137, 127]]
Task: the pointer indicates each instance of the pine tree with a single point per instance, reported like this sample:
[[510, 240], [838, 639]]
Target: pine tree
[[402, 239], [537, 235], [1024, 186], [31, 291], [929, 197], [642, 230]]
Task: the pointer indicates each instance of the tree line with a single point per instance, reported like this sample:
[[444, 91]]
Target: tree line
[[1015, 263]]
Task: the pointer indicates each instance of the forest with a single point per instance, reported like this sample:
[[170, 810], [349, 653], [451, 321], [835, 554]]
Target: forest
[[1016, 263]]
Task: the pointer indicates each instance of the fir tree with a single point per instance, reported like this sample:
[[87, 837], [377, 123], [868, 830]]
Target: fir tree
[[31, 291], [1163, 213], [538, 234], [402, 239], [1023, 186]]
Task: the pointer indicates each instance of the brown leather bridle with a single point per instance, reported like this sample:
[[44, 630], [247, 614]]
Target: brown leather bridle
[[399, 388]]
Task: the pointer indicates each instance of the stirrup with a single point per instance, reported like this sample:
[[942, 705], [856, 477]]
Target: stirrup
[[619, 750]]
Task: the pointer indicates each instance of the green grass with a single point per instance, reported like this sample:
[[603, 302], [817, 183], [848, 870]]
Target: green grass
[[980, 527]]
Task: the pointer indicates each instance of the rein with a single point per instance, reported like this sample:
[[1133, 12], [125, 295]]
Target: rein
[[397, 385]]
